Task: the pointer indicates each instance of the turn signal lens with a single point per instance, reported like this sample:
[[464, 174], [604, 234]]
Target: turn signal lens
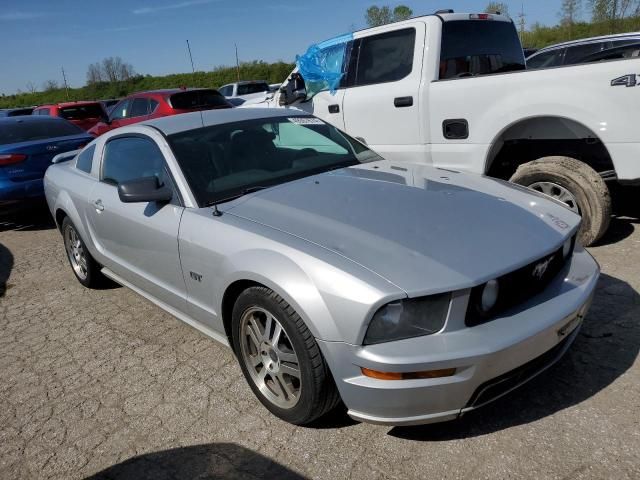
[[445, 372], [11, 158]]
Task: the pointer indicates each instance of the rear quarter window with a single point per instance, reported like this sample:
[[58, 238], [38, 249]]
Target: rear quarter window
[[84, 161]]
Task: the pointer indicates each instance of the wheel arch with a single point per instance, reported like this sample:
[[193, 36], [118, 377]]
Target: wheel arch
[[539, 136]]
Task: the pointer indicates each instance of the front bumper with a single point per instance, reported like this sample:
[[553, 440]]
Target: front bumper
[[490, 359]]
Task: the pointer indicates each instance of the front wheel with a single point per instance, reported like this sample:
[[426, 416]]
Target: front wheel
[[280, 358], [575, 184]]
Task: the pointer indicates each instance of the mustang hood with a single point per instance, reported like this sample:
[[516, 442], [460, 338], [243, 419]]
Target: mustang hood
[[423, 229]]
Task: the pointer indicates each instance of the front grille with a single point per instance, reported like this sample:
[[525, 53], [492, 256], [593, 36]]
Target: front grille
[[517, 287], [494, 388]]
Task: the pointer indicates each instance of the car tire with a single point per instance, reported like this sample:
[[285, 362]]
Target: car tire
[[556, 176], [84, 267], [272, 343]]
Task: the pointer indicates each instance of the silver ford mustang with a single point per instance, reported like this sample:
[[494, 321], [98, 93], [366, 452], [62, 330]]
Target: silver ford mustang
[[413, 294]]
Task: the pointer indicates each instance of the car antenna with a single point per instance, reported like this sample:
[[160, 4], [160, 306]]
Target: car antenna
[[193, 70], [216, 212]]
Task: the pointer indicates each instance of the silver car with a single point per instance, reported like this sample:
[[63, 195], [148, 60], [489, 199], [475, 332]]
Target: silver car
[[413, 294]]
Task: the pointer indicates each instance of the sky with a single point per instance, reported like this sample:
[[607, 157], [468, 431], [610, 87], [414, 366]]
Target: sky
[[42, 36]]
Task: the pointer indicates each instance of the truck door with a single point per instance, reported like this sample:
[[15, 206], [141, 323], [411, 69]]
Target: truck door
[[381, 103], [327, 106]]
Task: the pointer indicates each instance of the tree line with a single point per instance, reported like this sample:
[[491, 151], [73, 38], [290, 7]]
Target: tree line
[[271, 72]]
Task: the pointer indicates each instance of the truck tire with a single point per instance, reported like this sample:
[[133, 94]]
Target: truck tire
[[574, 183]]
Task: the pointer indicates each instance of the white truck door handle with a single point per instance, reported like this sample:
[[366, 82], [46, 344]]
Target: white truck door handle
[[400, 102], [99, 206]]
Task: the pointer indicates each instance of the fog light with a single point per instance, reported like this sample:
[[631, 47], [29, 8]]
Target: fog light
[[489, 295], [445, 372]]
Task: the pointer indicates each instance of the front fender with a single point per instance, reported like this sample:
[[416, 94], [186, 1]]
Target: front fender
[[287, 279], [334, 304]]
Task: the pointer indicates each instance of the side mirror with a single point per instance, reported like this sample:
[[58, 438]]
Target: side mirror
[[147, 189], [294, 91]]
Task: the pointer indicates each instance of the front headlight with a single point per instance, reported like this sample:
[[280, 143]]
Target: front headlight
[[412, 317]]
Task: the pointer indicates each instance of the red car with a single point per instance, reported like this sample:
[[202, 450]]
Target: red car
[[159, 103], [83, 114]]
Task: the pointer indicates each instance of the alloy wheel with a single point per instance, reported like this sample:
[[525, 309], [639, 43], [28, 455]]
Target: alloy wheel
[[270, 357], [76, 252]]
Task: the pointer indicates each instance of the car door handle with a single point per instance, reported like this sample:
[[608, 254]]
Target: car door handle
[[335, 108], [98, 204], [400, 102]]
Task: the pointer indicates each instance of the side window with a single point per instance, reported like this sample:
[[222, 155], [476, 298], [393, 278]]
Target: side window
[[387, 57], [129, 158], [622, 43], [545, 59], [577, 53], [121, 110], [225, 91], [139, 107], [84, 161], [44, 111], [153, 104]]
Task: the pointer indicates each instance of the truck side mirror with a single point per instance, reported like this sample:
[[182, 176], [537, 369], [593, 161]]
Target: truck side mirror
[[294, 91]]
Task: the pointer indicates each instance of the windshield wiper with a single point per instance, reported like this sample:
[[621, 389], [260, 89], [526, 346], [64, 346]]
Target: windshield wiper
[[241, 193]]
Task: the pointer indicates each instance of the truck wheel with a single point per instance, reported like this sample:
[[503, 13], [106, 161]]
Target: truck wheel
[[574, 183]]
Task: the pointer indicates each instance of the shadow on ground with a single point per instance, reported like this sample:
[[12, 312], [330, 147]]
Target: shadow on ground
[[626, 214], [212, 461], [606, 347], [6, 265], [35, 216]]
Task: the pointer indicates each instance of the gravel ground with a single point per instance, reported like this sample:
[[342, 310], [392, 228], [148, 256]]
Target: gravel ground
[[102, 384]]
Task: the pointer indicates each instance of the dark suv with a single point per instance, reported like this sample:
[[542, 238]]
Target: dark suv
[[579, 51]]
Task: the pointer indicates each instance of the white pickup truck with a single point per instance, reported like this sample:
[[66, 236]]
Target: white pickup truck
[[451, 89]]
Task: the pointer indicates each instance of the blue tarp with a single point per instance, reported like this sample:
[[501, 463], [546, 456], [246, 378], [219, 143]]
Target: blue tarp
[[322, 66]]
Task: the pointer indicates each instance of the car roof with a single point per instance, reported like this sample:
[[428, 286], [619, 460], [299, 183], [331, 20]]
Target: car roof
[[207, 118], [588, 40]]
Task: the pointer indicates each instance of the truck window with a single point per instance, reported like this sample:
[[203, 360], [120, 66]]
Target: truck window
[[551, 58], [479, 47], [577, 53], [249, 88], [387, 57]]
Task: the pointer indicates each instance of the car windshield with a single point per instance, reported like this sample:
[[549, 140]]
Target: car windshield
[[81, 112], [249, 88], [26, 131], [221, 162]]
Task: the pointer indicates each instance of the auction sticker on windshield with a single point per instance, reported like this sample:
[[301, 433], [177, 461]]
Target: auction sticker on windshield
[[305, 120]]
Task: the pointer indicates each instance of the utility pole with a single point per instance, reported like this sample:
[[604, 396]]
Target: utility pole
[[521, 23], [237, 62], [190, 57], [66, 87]]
